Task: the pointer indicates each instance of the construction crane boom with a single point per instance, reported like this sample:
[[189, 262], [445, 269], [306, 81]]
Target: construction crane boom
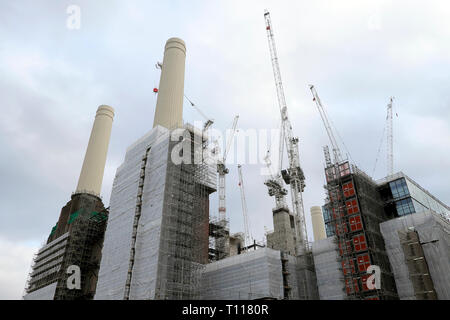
[[248, 239], [208, 122], [222, 170], [334, 145], [390, 138], [294, 174]]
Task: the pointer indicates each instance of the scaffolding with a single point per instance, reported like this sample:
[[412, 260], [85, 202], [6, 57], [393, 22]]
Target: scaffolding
[[219, 239], [356, 212], [185, 225], [80, 245], [157, 240], [417, 265], [418, 248], [83, 250]]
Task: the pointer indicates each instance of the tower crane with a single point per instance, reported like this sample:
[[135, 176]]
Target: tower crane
[[390, 138], [275, 185], [247, 235], [208, 122], [334, 145], [222, 170], [294, 174]]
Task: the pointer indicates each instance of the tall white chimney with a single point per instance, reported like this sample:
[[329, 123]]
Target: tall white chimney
[[318, 223], [169, 105], [91, 176]]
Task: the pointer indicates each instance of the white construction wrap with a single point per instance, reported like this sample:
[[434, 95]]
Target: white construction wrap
[[45, 293], [117, 244], [252, 275], [328, 272], [434, 237]]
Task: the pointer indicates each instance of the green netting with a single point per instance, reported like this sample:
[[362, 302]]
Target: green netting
[[74, 215], [54, 229], [98, 215]]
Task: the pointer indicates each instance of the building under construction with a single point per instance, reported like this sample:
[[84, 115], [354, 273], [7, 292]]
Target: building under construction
[[157, 238], [357, 211], [392, 223], [77, 237]]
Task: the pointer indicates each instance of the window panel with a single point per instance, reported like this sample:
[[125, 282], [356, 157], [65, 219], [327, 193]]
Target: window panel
[[355, 223], [348, 189], [363, 262], [329, 229], [404, 207], [326, 213], [352, 206], [359, 242], [399, 188]]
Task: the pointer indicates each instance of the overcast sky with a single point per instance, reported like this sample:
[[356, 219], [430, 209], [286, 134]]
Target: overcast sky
[[357, 54]]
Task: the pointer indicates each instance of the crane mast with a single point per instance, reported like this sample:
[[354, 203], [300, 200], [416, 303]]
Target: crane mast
[[222, 170], [275, 185], [390, 139], [336, 151], [247, 235], [293, 175]]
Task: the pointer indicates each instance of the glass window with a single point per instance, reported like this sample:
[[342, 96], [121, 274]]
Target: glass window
[[329, 229], [404, 207], [326, 213], [427, 200], [399, 188]]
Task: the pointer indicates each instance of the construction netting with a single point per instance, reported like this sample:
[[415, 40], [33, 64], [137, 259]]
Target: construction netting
[[156, 241], [329, 276], [117, 245], [44, 293], [434, 238], [252, 275]]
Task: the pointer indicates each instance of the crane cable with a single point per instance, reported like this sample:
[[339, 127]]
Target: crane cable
[[379, 149]]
